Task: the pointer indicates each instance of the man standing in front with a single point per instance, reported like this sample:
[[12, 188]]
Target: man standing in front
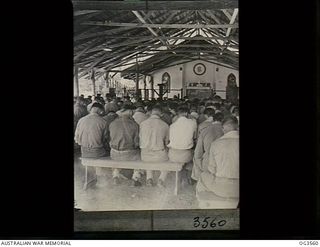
[[154, 137], [219, 183], [124, 142], [182, 134]]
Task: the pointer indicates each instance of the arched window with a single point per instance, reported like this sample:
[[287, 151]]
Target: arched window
[[231, 81], [166, 80]]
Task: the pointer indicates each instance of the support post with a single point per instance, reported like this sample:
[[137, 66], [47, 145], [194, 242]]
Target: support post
[[145, 86], [137, 77], [152, 87], [176, 189], [93, 83], [85, 186], [107, 79], [76, 80], [161, 85]]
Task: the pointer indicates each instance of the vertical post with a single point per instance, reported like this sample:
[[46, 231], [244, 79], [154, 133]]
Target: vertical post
[[107, 79], [93, 82], [137, 77], [176, 189], [161, 85], [76, 80], [145, 86], [85, 186], [152, 87]]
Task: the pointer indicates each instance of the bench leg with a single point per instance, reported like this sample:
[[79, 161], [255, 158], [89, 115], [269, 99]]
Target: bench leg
[[85, 186], [176, 189]]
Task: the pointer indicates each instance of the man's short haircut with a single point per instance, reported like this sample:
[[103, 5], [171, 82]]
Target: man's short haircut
[[150, 106], [156, 107], [209, 112], [182, 109], [217, 105], [230, 120], [97, 105], [218, 116], [208, 104], [235, 108]]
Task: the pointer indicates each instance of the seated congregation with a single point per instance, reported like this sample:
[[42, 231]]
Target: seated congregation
[[202, 135]]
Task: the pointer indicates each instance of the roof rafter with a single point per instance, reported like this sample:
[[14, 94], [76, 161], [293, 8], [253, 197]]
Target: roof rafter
[[138, 25], [154, 5]]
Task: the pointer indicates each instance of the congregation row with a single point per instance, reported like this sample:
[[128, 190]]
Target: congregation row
[[203, 134]]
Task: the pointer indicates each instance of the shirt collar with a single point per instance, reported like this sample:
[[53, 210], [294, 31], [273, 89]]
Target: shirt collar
[[209, 119], [231, 134], [181, 118], [154, 116], [94, 114]]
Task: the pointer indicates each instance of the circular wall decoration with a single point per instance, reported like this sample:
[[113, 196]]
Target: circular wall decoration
[[199, 69]]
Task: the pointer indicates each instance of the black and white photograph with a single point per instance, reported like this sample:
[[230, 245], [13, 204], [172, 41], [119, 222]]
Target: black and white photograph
[[156, 106]]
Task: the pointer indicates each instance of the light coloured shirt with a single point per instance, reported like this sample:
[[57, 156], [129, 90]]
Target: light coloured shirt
[[208, 122], [154, 134], [224, 156], [139, 117], [91, 131], [182, 133], [210, 133]]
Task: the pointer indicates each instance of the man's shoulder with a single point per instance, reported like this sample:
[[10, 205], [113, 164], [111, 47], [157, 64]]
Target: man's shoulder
[[204, 125], [161, 122], [114, 122]]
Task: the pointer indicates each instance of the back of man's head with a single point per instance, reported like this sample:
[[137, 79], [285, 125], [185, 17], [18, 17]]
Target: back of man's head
[[229, 123], [97, 108], [218, 116], [217, 106], [156, 110], [209, 112], [183, 110]]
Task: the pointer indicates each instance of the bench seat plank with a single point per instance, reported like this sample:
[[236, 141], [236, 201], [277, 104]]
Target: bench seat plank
[[109, 163]]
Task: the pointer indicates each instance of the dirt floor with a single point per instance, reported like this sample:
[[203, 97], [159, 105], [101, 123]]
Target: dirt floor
[[105, 196]]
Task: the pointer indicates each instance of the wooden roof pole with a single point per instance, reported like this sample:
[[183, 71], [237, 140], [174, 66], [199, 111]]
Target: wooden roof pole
[[143, 25], [76, 81], [93, 79], [137, 77]]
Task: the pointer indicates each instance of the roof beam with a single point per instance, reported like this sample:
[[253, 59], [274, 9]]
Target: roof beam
[[232, 20], [142, 25], [86, 49], [145, 37], [83, 12], [140, 18], [102, 33], [226, 13], [113, 57], [154, 5]]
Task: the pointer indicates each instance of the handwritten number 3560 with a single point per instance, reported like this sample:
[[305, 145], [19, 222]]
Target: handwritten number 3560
[[205, 222]]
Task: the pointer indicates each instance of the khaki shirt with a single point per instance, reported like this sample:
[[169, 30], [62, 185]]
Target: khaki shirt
[[154, 134], [224, 156], [124, 134], [91, 131]]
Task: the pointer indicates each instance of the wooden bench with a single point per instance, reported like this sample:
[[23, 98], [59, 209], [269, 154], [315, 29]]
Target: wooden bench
[[107, 162]]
